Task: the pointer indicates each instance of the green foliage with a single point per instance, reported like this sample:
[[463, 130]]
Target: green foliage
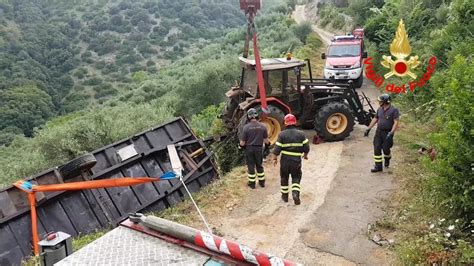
[[442, 29], [302, 31], [331, 16], [208, 123], [67, 137], [228, 154], [25, 108], [8, 134], [104, 90], [48, 42], [453, 184]]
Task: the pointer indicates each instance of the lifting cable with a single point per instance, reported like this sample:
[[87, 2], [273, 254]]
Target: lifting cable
[[195, 205], [177, 167]]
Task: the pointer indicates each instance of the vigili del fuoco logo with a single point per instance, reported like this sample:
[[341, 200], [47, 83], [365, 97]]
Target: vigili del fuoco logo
[[400, 64]]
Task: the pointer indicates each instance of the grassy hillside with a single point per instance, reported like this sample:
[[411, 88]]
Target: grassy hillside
[[184, 87], [81, 53]]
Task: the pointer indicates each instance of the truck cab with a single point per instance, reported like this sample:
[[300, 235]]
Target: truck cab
[[344, 58]]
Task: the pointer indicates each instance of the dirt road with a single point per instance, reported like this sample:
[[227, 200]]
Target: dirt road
[[340, 197], [300, 17]]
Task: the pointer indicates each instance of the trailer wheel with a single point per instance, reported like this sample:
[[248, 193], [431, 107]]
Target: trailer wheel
[[274, 121], [334, 121], [76, 166]]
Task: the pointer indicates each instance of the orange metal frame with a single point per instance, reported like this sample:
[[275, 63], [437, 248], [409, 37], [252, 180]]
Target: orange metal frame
[[93, 184]]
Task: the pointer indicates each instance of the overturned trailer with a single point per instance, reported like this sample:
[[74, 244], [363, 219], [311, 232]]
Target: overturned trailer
[[84, 211]]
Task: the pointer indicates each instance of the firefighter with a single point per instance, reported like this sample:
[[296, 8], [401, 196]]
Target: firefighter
[[292, 144], [387, 119], [253, 137]]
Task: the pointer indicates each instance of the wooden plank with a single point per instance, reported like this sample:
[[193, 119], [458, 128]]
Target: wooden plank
[[19, 199], [155, 207], [104, 199], [54, 218], [144, 192], [189, 163], [98, 208], [173, 198], [177, 130], [22, 230], [11, 253], [6, 205], [79, 212], [159, 138], [176, 165], [123, 198], [47, 179]]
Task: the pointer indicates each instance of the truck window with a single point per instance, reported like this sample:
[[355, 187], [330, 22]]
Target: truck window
[[344, 50]]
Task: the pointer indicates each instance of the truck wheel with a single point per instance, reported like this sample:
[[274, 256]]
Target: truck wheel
[[76, 166], [334, 121], [358, 82]]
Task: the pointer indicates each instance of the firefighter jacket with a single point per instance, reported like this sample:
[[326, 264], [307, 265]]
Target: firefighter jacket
[[292, 144]]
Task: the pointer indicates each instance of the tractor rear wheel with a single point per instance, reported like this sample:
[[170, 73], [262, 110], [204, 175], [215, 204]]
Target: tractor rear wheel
[[334, 121], [274, 121]]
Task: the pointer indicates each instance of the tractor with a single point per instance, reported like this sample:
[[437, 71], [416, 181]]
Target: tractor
[[329, 107], [276, 88]]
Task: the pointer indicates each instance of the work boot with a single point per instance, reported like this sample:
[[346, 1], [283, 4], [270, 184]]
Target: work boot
[[296, 197], [386, 162], [284, 197], [261, 183], [251, 185], [377, 168]]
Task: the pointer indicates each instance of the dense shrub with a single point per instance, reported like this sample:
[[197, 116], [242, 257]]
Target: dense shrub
[[441, 29]]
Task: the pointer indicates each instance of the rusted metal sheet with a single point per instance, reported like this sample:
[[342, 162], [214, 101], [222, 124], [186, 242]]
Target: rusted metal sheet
[[76, 212]]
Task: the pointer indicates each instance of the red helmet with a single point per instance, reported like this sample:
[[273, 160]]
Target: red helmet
[[290, 120]]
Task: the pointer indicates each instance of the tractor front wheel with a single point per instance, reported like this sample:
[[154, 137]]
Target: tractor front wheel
[[334, 121]]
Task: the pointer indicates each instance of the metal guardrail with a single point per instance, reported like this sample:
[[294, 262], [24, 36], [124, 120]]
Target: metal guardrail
[[76, 212]]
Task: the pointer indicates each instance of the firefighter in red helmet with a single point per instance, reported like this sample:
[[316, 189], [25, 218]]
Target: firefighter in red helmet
[[293, 145]]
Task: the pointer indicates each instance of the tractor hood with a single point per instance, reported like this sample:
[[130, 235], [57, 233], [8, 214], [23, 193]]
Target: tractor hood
[[342, 61]]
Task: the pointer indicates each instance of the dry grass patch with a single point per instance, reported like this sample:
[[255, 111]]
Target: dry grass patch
[[215, 200]]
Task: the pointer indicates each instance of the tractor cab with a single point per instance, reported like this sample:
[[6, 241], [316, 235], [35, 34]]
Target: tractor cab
[[282, 79], [280, 75]]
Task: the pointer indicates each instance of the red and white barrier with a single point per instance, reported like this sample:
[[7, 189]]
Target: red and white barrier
[[238, 251], [209, 241]]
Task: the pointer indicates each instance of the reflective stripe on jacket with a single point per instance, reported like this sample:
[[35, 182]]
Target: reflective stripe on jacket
[[292, 143]]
